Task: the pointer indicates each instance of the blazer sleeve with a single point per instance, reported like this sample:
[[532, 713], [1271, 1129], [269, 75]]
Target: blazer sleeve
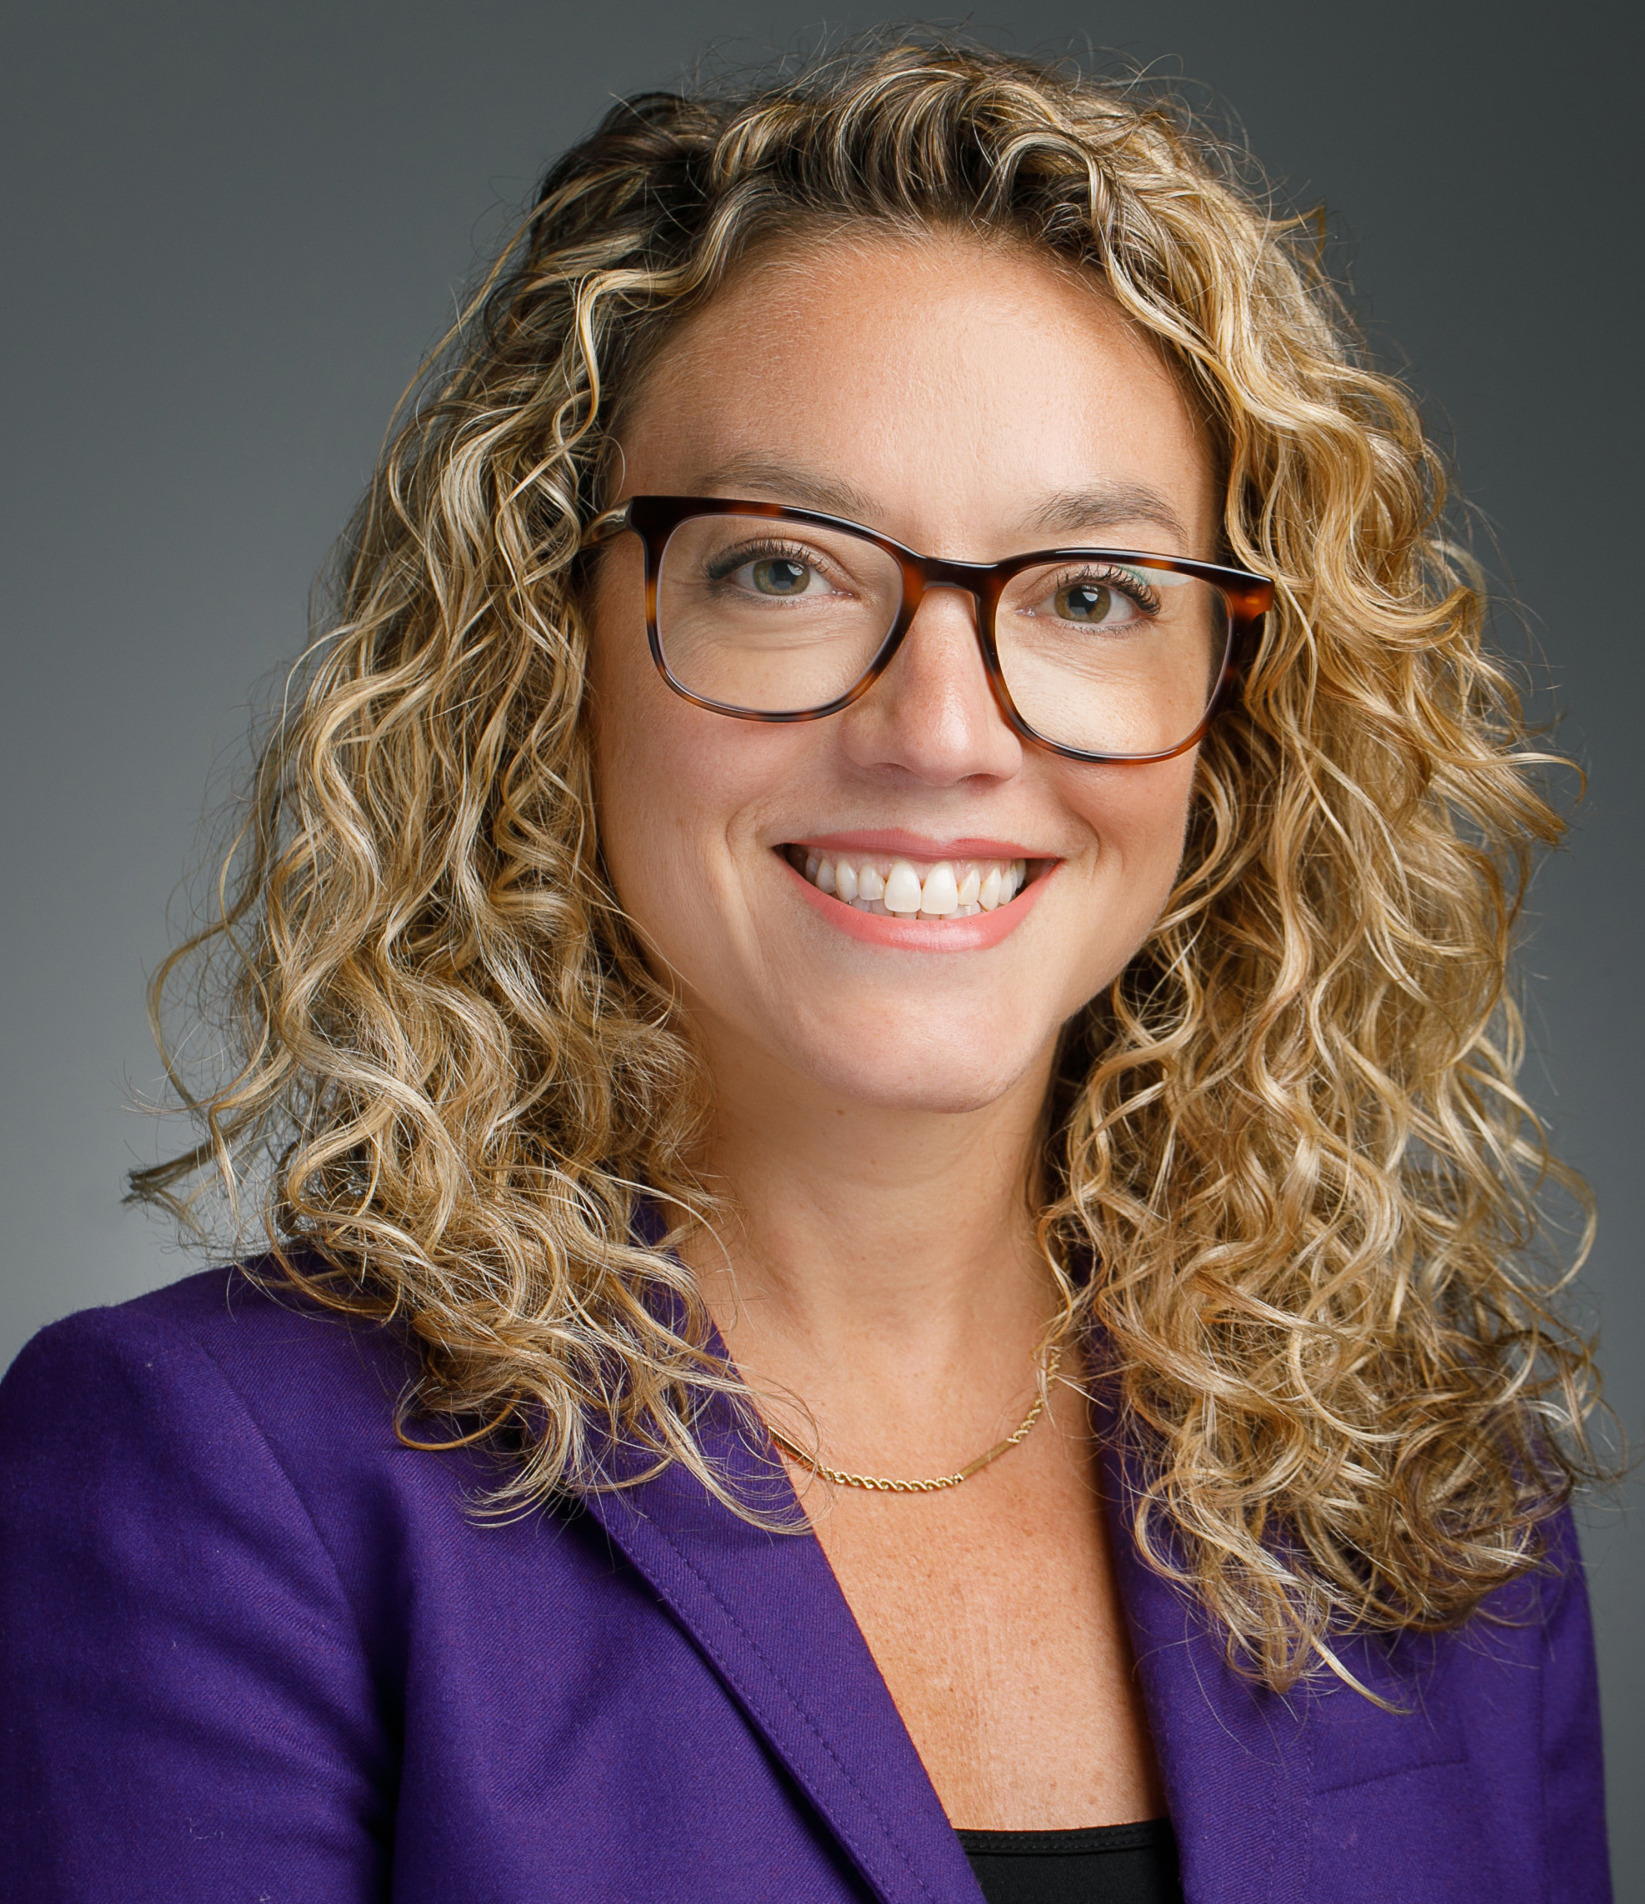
[[186, 1706]]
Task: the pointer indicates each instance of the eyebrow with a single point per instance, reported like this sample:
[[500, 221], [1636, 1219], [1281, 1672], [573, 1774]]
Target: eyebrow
[[790, 483], [1106, 506], [1094, 509]]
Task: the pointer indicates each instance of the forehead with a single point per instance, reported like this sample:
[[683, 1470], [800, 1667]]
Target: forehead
[[944, 380]]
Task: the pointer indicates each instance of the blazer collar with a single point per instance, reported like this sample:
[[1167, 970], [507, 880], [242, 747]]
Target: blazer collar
[[768, 1614]]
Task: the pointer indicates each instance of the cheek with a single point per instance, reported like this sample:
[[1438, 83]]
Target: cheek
[[651, 789], [1139, 816], [641, 759], [1158, 816], [628, 736], [675, 788]]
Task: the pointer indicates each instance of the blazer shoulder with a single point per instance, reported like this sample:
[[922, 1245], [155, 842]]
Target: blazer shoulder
[[200, 1371], [256, 1335]]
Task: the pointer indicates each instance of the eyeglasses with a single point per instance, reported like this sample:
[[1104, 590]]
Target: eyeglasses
[[773, 614]]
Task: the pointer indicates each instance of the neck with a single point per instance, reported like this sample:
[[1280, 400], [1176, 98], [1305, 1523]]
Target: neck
[[874, 1251]]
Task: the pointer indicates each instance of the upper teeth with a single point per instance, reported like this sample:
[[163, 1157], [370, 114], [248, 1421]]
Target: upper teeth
[[949, 889]]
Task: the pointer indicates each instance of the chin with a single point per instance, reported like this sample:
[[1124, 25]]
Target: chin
[[936, 1072]]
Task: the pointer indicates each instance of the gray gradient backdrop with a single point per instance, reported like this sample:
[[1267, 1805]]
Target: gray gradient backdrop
[[230, 233]]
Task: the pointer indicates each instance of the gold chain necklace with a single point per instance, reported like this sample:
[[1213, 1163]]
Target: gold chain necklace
[[880, 1484]]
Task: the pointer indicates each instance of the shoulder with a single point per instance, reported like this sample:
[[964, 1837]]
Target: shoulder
[[212, 1473], [227, 1422], [215, 1417], [204, 1342], [1483, 1760], [221, 1369], [178, 1622]]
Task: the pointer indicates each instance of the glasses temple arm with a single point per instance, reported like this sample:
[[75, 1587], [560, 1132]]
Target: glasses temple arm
[[611, 522]]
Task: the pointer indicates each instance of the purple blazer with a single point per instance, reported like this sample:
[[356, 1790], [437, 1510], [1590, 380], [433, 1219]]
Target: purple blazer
[[253, 1651]]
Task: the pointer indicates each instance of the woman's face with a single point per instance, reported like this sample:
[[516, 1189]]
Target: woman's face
[[972, 403]]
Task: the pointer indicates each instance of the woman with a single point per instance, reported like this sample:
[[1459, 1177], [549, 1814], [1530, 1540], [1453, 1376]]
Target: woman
[[872, 967]]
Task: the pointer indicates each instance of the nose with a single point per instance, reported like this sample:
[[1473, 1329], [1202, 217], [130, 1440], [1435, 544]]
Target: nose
[[932, 715]]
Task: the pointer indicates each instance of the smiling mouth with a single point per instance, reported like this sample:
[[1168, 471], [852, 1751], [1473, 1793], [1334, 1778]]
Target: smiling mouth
[[897, 887]]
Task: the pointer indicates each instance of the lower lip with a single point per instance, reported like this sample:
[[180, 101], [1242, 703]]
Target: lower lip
[[975, 934]]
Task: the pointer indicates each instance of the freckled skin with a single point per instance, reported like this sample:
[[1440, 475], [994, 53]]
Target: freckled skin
[[877, 1111], [960, 411]]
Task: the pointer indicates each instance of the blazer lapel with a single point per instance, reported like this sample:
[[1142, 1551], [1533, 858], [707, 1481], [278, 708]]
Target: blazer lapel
[[1233, 1754], [768, 1614]]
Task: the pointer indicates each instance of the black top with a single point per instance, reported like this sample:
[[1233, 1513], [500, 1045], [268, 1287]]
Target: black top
[[1104, 1864]]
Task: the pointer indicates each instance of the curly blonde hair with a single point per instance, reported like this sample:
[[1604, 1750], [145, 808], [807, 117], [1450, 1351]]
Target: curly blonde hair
[[1288, 1135]]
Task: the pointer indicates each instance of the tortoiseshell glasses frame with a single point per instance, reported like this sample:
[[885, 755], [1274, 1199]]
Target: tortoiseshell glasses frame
[[655, 519]]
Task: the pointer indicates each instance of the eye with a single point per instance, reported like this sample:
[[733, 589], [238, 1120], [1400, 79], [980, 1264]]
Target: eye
[[778, 575], [1107, 597], [772, 572], [1092, 603]]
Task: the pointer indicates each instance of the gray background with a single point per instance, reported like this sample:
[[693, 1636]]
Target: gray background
[[230, 232]]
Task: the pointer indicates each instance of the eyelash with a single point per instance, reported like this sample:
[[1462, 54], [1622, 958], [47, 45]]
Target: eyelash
[[1108, 575], [1127, 581], [734, 559]]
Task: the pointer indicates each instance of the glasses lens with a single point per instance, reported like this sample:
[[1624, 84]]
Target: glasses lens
[[774, 617], [1111, 657]]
